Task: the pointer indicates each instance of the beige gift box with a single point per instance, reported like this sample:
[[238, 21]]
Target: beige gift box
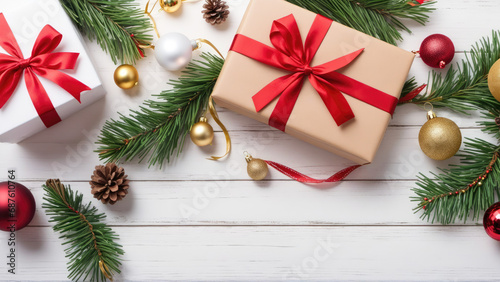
[[381, 66]]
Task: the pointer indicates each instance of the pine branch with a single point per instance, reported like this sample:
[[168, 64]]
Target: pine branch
[[159, 128], [465, 87], [408, 87], [378, 18], [469, 188], [410, 90], [93, 253], [462, 190], [119, 26], [491, 122]]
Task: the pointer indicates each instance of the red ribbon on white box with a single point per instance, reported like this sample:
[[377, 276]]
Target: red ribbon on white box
[[42, 62]]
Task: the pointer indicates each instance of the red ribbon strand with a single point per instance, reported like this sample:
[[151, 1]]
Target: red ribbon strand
[[293, 174], [42, 63], [289, 54]]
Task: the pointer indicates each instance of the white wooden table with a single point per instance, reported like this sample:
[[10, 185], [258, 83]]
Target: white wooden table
[[201, 220]]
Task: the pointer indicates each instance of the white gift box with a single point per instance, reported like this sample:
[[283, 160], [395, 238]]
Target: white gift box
[[18, 117]]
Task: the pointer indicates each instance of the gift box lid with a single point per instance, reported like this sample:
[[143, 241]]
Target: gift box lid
[[381, 66], [26, 19]]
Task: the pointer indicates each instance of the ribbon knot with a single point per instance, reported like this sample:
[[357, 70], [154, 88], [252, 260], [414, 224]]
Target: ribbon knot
[[308, 70], [22, 64], [289, 54], [42, 62]]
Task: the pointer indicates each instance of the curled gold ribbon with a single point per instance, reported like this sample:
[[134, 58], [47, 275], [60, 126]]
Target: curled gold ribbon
[[201, 40], [150, 16], [215, 116], [211, 107], [105, 270]]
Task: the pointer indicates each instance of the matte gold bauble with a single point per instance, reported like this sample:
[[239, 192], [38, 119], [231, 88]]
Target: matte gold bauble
[[126, 76], [202, 133], [439, 138], [256, 168], [170, 6], [494, 80]]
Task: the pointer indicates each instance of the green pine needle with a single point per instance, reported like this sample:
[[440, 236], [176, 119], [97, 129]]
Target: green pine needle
[[465, 87], [117, 25], [475, 159], [158, 129], [378, 18], [491, 122], [89, 240], [408, 87]]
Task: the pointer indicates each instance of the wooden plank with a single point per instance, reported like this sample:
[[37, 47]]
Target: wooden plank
[[277, 253], [239, 203]]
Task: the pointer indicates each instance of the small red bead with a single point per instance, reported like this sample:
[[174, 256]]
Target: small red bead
[[451, 193], [456, 192], [430, 201], [425, 199], [424, 207]]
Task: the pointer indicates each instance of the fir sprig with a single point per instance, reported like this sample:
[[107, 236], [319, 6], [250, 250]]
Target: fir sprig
[[92, 250], [463, 190], [159, 128], [465, 87], [119, 26], [491, 122], [408, 87], [378, 18]]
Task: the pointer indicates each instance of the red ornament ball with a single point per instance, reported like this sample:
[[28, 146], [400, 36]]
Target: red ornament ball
[[491, 221], [437, 51], [17, 206]]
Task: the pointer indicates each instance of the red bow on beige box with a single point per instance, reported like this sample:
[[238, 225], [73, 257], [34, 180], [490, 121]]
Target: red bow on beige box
[[43, 63], [289, 54]]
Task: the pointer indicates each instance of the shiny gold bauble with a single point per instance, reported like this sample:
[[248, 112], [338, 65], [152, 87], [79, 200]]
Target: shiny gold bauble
[[170, 6], [257, 169], [202, 133], [126, 76], [440, 138], [494, 80]]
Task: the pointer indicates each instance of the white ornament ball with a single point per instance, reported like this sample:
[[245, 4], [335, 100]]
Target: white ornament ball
[[173, 51]]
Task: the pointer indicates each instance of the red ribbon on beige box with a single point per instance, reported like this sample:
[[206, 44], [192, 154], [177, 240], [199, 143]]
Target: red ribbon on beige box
[[289, 54]]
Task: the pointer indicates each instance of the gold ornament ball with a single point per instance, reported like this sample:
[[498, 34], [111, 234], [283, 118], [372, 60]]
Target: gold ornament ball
[[126, 76], [494, 80], [202, 133], [257, 169], [170, 6], [440, 138]]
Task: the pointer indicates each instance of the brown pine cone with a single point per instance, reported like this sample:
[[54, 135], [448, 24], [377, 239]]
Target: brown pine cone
[[216, 11], [109, 183]]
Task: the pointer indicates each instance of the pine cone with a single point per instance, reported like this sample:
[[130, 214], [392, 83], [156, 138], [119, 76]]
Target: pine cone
[[109, 183], [216, 11]]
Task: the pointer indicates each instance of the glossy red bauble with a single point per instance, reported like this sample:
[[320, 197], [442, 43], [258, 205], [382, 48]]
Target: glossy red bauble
[[491, 221], [437, 51], [17, 206]]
